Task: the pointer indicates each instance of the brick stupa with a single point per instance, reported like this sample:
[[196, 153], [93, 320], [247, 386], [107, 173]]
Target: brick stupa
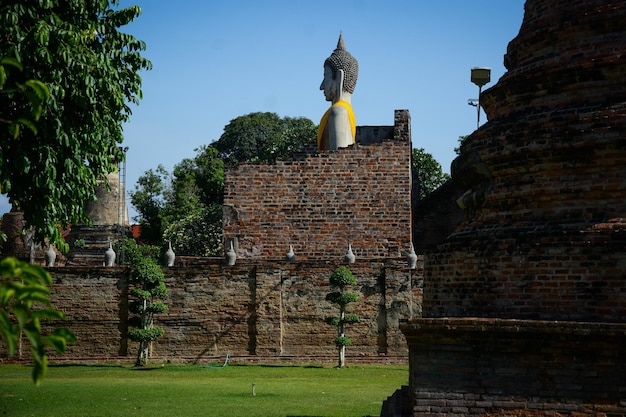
[[524, 306]]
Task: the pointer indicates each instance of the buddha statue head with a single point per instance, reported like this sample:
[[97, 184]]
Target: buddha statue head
[[343, 68]]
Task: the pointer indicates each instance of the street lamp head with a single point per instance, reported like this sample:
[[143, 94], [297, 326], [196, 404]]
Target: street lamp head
[[481, 75]]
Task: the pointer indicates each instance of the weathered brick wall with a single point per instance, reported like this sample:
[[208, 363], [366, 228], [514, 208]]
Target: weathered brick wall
[[321, 201], [271, 310], [492, 367], [525, 303], [545, 183]]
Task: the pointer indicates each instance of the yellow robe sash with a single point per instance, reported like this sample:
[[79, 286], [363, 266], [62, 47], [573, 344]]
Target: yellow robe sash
[[320, 131]]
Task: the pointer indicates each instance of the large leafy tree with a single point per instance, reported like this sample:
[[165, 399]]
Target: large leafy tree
[[183, 207], [264, 137], [91, 69], [427, 172], [149, 198]]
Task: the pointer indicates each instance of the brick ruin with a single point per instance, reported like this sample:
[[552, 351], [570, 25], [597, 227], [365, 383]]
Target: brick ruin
[[265, 308], [257, 311], [320, 202], [524, 308]]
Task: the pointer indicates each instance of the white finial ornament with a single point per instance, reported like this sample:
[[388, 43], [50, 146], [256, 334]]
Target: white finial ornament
[[350, 258]]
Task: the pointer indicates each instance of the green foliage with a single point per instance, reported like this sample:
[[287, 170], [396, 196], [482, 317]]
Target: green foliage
[[264, 137], [342, 341], [28, 96], [133, 252], [148, 289], [184, 208], [24, 303], [342, 298], [462, 140], [427, 172], [347, 319], [145, 335], [342, 277], [73, 49], [148, 198], [198, 233], [351, 318]]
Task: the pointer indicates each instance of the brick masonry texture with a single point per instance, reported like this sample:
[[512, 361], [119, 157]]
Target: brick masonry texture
[[524, 306], [319, 202], [548, 241], [494, 367], [269, 310]]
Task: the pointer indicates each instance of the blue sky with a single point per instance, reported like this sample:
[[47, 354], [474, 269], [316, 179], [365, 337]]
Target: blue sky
[[217, 60]]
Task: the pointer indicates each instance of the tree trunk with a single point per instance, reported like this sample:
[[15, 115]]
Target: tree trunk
[[342, 333], [142, 355]]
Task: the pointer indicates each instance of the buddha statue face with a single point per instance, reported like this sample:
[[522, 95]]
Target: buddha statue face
[[331, 84]]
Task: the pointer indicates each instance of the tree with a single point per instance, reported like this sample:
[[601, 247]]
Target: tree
[[198, 233], [426, 172], [461, 140], [24, 303], [149, 200], [148, 288], [28, 97], [341, 278], [184, 207], [263, 137], [91, 71]]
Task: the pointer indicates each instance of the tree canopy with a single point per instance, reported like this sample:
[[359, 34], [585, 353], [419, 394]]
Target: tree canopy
[[427, 172], [183, 207], [91, 69], [264, 137]]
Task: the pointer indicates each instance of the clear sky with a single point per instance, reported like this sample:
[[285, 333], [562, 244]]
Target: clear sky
[[216, 60]]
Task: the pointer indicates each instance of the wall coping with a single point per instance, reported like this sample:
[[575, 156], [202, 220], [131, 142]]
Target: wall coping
[[412, 327]]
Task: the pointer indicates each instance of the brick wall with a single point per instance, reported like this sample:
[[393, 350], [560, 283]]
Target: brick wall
[[492, 367], [319, 202], [524, 305], [271, 310], [544, 178]]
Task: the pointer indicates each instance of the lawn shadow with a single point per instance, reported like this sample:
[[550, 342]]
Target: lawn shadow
[[279, 365], [82, 365]]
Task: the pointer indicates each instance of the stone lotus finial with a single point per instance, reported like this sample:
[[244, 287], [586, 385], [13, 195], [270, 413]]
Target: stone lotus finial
[[231, 255], [350, 258], [411, 258], [290, 256], [50, 257], [170, 256], [109, 256]]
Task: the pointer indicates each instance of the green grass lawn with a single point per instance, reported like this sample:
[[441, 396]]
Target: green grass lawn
[[192, 390]]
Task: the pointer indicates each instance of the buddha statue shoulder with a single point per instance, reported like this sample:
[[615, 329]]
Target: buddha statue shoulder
[[337, 128]]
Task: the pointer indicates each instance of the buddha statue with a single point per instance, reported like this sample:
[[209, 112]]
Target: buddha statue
[[338, 125]]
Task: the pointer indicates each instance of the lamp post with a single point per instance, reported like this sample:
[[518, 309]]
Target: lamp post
[[480, 76]]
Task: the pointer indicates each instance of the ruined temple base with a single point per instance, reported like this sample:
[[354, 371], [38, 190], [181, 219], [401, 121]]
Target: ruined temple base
[[94, 243], [497, 367]]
